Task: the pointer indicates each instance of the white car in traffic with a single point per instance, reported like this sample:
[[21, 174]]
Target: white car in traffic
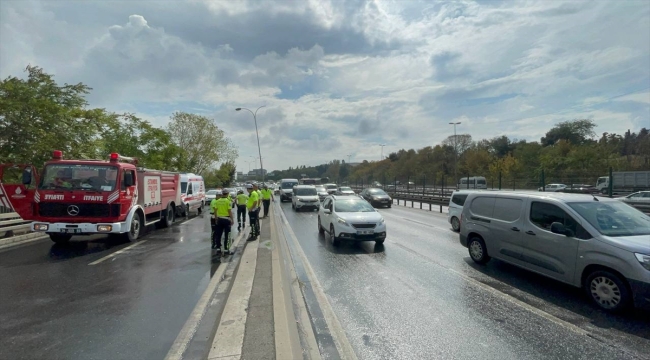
[[350, 218]]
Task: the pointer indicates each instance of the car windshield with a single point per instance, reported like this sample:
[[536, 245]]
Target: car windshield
[[211, 192], [289, 185], [79, 177], [320, 189], [376, 192], [613, 218], [345, 189], [353, 206], [306, 191]]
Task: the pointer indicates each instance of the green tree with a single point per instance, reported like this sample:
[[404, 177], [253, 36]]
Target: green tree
[[37, 116], [575, 131], [200, 141]]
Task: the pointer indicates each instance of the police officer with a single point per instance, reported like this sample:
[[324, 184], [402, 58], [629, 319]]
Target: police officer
[[223, 221], [256, 187], [253, 212], [267, 196], [241, 200]]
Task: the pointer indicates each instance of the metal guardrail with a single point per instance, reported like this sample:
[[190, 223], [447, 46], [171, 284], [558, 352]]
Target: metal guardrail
[[443, 199], [11, 224]]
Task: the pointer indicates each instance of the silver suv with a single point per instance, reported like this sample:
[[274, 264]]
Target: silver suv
[[599, 244]]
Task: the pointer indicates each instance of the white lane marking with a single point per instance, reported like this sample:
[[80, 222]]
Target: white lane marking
[[117, 253], [565, 324], [229, 339], [336, 330], [301, 314], [283, 345], [502, 295], [192, 219], [191, 325]]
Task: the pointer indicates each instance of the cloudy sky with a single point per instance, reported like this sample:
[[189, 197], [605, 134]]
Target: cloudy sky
[[340, 77]]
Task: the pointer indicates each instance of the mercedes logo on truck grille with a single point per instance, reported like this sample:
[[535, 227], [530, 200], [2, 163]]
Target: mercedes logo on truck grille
[[73, 210]]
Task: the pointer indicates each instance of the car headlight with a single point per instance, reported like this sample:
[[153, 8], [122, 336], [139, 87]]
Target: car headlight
[[104, 228], [382, 221], [375, 198], [341, 221], [41, 227], [644, 260]]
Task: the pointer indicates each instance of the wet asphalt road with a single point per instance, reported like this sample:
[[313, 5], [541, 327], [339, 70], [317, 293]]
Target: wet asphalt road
[[419, 296], [54, 305]]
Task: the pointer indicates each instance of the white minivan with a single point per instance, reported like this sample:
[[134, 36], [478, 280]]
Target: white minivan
[[599, 244], [472, 182], [192, 193], [456, 202]]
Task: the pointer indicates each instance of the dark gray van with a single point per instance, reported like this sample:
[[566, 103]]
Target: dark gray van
[[599, 244]]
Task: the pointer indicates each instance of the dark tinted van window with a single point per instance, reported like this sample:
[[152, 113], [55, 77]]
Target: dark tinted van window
[[459, 199]]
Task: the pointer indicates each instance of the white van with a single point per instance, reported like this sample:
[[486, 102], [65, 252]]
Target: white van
[[472, 182], [599, 244], [456, 202], [286, 189], [192, 194]]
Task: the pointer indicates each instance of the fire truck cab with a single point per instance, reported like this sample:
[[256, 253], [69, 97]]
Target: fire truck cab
[[85, 197]]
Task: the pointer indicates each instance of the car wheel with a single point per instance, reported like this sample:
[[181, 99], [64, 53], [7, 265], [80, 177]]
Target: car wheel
[[335, 241], [60, 238], [455, 224], [379, 241], [200, 209], [607, 290], [320, 227], [293, 206], [478, 250]]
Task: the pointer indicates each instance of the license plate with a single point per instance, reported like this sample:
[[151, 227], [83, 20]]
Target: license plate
[[71, 231], [365, 232]]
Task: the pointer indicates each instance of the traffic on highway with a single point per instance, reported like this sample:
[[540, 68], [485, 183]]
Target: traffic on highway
[[325, 180]]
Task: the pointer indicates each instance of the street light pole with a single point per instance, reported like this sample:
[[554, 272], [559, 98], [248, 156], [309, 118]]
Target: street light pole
[[349, 156], [455, 151], [259, 149], [382, 151]]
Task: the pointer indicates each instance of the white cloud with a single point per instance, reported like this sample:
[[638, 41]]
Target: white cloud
[[340, 77]]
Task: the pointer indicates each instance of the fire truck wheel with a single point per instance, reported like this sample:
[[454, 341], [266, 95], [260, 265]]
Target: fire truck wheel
[[60, 238], [136, 228], [167, 217]]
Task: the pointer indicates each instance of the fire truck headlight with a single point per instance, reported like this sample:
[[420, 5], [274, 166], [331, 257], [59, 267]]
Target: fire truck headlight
[[41, 227], [104, 228]]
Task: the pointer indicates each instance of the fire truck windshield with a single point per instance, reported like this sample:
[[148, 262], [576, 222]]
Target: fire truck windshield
[[79, 177]]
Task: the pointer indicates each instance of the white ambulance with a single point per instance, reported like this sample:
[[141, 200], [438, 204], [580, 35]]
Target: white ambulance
[[192, 193]]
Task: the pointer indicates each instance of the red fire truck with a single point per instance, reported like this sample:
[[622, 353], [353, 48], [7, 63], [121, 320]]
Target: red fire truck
[[85, 197]]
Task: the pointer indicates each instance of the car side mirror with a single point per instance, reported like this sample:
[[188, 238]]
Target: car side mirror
[[559, 228], [128, 179], [27, 176], [327, 211]]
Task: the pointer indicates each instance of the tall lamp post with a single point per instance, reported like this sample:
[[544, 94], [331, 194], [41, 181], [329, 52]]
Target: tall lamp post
[[382, 151], [349, 157], [455, 152], [259, 149]]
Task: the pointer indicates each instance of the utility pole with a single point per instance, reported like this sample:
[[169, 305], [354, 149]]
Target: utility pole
[[455, 151], [382, 151], [349, 156]]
